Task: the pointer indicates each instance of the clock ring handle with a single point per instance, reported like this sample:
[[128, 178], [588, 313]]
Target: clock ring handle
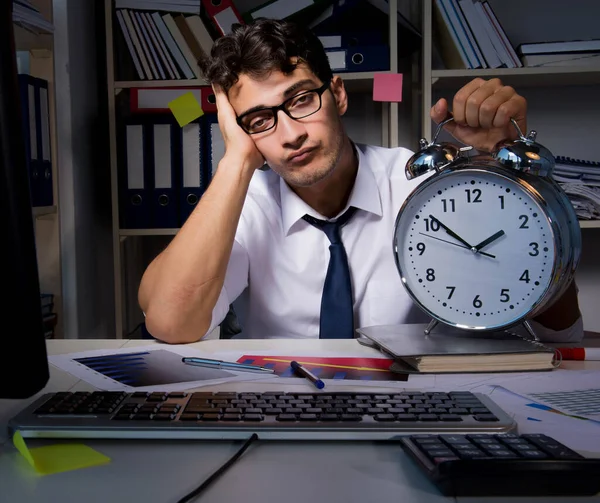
[[450, 117]]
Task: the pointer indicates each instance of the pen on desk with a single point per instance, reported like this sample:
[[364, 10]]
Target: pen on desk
[[580, 353], [220, 364], [300, 370]]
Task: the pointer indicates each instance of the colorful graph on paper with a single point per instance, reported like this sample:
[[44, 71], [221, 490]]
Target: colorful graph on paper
[[149, 368], [362, 369]]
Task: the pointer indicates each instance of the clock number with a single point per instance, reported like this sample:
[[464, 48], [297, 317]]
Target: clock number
[[476, 195], [430, 275], [525, 276], [434, 225], [525, 219], [477, 302], [451, 205], [421, 248], [504, 297], [535, 252], [451, 288], [501, 202]]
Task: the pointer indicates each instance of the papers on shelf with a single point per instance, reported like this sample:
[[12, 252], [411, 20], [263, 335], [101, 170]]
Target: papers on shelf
[[25, 14]]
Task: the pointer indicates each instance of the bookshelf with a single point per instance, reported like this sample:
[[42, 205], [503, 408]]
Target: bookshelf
[[128, 244], [38, 44]]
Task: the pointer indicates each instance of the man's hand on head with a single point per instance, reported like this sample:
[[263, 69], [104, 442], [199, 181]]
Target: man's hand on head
[[239, 146]]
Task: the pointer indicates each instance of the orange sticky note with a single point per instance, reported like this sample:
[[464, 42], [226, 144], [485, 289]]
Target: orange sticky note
[[387, 87], [60, 457], [186, 108]]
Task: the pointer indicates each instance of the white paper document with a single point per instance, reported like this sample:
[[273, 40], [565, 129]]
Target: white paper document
[[575, 392], [145, 368], [580, 434]]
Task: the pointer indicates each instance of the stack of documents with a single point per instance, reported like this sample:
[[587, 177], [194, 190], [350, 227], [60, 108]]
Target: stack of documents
[[580, 179]]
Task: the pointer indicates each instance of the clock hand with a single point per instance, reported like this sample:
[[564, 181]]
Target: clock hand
[[456, 244], [451, 232], [489, 240]]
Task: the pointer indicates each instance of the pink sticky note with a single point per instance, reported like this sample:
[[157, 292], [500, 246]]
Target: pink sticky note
[[387, 87]]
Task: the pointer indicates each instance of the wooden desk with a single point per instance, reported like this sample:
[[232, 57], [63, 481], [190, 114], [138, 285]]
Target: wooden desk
[[161, 471]]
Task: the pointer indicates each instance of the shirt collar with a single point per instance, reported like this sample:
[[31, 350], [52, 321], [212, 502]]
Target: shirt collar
[[364, 196]]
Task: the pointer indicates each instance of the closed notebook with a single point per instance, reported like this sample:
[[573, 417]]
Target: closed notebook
[[449, 350]]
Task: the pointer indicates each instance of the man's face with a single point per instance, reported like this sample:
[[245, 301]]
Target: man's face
[[302, 151]]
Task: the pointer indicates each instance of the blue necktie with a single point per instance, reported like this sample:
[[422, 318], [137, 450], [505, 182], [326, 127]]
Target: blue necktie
[[337, 317]]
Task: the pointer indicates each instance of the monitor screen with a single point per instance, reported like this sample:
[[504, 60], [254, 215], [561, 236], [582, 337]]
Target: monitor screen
[[23, 357]]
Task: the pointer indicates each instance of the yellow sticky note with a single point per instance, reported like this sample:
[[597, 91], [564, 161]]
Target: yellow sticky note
[[186, 108], [58, 458]]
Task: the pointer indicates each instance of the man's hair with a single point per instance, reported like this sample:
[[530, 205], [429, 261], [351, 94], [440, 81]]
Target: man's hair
[[261, 47]]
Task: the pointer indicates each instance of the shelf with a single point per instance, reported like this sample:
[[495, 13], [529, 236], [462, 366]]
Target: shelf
[[147, 232], [355, 81], [521, 77], [40, 211], [127, 84], [585, 224]]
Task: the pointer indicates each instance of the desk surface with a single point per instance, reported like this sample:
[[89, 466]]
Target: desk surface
[[161, 471]]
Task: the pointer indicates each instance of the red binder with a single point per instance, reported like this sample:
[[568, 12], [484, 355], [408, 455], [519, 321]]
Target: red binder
[[222, 13], [156, 99]]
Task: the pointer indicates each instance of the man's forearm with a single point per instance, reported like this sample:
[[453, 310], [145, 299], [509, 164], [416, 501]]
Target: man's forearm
[[563, 312], [181, 286]]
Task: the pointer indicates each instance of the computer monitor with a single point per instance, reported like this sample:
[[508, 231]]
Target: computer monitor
[[23, 356]]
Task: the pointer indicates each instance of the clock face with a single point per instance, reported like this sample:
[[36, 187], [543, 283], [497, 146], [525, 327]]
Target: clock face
[[474, 249]]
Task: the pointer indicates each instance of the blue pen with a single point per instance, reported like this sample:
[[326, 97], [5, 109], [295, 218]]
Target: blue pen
[[208, 363], [300, 370]]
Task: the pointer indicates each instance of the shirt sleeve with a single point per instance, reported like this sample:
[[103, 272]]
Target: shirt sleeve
[[574, 333]]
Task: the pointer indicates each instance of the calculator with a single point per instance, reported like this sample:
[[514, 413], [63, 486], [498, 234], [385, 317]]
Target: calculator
[[508, 464]]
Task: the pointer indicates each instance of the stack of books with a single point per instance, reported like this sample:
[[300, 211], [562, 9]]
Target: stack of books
[[164, 45], [469, 35]]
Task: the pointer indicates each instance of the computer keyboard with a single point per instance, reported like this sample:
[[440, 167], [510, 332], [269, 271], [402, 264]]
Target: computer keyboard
[[272, 415], [502, 465]]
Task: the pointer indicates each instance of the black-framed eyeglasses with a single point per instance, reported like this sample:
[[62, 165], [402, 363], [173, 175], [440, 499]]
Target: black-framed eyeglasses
[[297, 107]]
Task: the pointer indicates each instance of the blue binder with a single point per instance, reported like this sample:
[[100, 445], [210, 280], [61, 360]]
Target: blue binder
[[45, 188], [163, 161], [192, 175], [135, 179], [367, 58], [32, 135]]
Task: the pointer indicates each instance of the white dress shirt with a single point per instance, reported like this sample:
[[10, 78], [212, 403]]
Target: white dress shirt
[[279, 261]]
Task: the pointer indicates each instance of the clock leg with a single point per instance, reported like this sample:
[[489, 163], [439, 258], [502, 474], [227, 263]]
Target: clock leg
[[530, 330], [431, 326]]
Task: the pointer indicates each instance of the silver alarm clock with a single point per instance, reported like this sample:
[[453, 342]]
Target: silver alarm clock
[[485, 242]]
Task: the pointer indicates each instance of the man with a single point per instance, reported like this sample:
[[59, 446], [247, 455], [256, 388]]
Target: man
[[279, 104]]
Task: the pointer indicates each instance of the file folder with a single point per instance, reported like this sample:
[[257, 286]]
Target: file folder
[[135, 183], [46, 188], [156, 100], [164, 138], [351, 39], [192, 167], [28, 92], [373, 58], [214, 146], [223, 14]]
